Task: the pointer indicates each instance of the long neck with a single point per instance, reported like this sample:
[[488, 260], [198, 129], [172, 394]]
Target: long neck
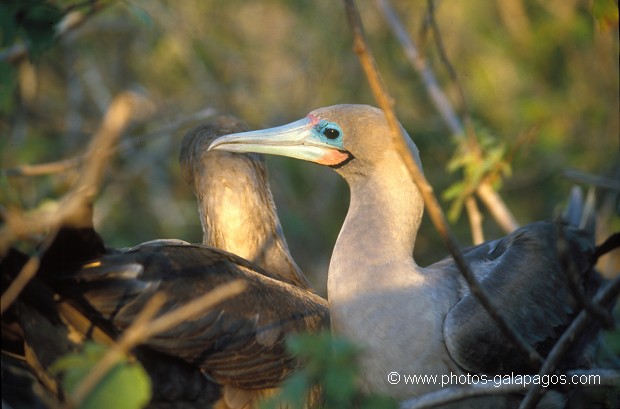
[[375, 245], [238, 215]]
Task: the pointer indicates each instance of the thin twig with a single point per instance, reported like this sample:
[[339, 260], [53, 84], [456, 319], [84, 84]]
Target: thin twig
[[489, 197], [437, 216], [23, 278], [592, 180], [496, 206], [605, 377], [193, 308], [74, 208], [475, 220], [115, 354], [45, 168], [573, 277], [443, 56], [126, 144], [145, 327], [419, 63], [602, 297]]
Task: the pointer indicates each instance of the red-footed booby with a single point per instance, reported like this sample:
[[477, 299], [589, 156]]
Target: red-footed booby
[[409, 319], [240, 343], [236, 207]]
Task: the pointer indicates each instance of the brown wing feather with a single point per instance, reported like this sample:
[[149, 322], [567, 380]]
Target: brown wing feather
[[241, 341]]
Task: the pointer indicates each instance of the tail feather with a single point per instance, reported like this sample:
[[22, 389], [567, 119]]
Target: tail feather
[[575, 206], [581, 212], [588, 216]]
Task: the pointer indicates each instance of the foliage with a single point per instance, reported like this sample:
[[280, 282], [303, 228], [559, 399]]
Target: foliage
[[606, 13], [486, 160], [29, 22], [549, 65], [523, 64], [330, 364], [126, 386]]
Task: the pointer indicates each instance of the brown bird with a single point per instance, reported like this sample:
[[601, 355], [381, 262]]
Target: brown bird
[[240, 343], [236, 207], [408, 319]]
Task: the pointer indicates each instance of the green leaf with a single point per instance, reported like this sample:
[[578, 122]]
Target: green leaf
[[488, 163], [38, 24], [606, 13], [293, 394], [340, 384], [378, 402], [126, 385], [332, 363]]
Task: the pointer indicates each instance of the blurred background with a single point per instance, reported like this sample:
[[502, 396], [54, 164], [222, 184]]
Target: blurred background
[[540, 82]]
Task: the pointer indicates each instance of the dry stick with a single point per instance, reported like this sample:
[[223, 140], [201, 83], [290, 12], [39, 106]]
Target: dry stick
[[592, 180], [475, 220], [74, 206], [44, 168], [23, 278], [604, 296], [385, 103], [489, 197], [129, 143], [144, 327], [573, 277], [500, 386], [117, 351]]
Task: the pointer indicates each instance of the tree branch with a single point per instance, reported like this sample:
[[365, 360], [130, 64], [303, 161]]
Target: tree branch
[[74, 208], [437, 216], [603, 296], [489, 197], [145, 326], [475, 220], [127, 144]]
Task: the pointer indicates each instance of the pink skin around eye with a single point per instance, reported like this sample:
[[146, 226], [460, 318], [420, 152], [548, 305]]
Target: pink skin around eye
[[333, 158], [313, 119]]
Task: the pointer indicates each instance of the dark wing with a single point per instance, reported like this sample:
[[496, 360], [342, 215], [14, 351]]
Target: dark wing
[[524, 276], [240, 341]]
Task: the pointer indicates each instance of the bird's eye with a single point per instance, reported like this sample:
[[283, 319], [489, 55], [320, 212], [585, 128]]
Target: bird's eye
[[331, 133]]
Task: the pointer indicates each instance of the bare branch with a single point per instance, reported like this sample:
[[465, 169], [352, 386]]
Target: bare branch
[[23, 278], [117, 351], [193, 308], [475, 220], [603, 296], [437, 216], [494, 203], [592, 180], [489, 197], [573, 277], [144, 327], [74, 209], [126, 144], [44, 168], [439, 98]]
